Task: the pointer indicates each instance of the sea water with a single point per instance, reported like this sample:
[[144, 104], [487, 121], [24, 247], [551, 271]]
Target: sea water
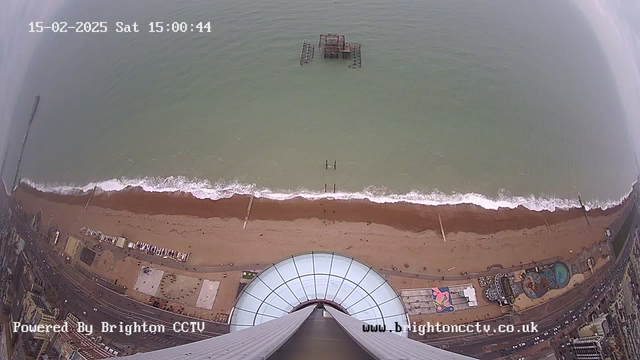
[[496, 103]]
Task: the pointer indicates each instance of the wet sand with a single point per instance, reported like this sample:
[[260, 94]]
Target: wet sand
[[401, 216]]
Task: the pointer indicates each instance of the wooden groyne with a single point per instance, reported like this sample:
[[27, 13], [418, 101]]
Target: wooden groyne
[[24, 142], [584, 211]]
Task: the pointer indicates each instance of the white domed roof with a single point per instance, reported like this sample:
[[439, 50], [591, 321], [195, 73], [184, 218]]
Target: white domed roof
[[343, 282]]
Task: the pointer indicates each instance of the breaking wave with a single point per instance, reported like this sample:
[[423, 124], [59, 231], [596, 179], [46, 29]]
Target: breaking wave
[[204, 189]]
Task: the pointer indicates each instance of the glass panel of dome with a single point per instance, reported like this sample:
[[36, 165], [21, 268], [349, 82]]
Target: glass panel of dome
[[391, 323], [270, 310], [234, 328], [340, 265], [357, 272], [377, 321], [392, 307], [364, 303], [321, 285], [263, 319], [383, 293], [309, 286], [355, 296], [286, 269], [363, 292], [242, 317], [345, 289], [270, 277], [287, 294], [258, 289], [400, 319], [322, 262], [365, 309], [248, 303], [370, 313], [372, 281], [304, 264], [295, 285], [278, 302], [334, 285]]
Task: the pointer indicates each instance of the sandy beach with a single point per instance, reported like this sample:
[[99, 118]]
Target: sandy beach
[[402, 236]]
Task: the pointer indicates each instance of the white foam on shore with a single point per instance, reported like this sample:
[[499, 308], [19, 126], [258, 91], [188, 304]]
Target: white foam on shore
[[204, 189]]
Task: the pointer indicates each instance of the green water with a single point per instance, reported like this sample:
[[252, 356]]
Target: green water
[[495, 98]]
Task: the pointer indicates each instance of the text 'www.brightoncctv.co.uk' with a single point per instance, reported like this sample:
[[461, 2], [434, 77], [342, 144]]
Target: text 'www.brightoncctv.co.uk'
[[429, 327]]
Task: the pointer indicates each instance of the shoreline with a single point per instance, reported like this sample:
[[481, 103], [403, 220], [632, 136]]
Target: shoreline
[[401, 215], [203, 189]]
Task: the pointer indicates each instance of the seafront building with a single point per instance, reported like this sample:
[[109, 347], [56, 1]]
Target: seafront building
[[597, 327], [613, 329], [73, 345], [37, 312], [588, 348]]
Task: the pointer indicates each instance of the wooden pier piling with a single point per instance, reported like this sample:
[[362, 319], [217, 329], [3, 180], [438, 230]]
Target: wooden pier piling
[[335, 164], [355, 56], [307, 52], [334, 188]]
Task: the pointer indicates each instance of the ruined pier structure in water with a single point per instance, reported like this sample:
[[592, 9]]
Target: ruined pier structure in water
[[333, 46]]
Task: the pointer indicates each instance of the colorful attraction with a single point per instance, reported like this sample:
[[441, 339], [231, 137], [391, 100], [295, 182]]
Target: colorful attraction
[[562, 275], [442, 299], [538, 283]]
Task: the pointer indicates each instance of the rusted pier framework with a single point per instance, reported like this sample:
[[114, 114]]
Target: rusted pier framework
[[335, 46]]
